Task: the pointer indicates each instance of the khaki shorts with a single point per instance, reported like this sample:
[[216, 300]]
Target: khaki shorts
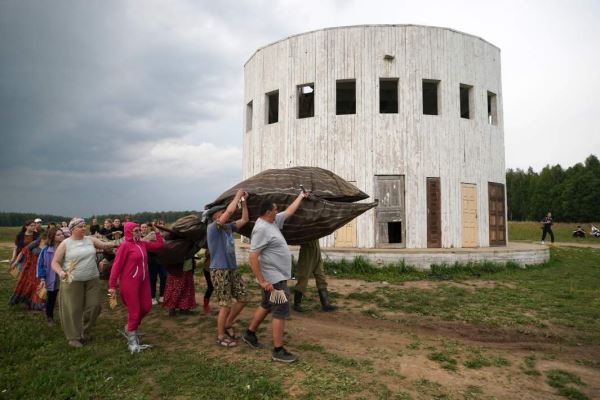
[[228, 285]]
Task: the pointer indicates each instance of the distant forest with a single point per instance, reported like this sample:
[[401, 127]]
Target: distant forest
[[18, 219], [572, 195]]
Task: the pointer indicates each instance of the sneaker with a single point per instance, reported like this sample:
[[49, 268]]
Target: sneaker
[[75, 343], [161, 299], [283, 356], [154, 302], [542, 242], [251, 340], [50, 322]]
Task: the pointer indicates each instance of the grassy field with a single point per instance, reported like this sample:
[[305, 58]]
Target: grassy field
[[563, 232], [482, 331]]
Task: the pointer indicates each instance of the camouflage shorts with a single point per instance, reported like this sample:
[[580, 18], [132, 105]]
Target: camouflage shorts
[[228, 285]]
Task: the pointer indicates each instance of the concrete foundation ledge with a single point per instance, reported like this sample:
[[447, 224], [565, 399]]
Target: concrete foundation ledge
[[521, 253]]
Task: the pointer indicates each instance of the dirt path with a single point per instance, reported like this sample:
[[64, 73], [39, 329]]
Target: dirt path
[[395, 352]]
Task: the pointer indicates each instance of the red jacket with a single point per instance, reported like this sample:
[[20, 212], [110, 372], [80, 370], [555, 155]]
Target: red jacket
[[131, 261]]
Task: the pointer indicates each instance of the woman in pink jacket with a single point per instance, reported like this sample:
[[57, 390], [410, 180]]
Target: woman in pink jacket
[[130, 268]]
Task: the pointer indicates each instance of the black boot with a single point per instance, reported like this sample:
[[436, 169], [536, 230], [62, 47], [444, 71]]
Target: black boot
[[298, 301], [324, 297]]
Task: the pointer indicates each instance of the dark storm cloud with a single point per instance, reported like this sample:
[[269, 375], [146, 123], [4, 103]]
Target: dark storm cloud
[[87, 87], [110, 100]]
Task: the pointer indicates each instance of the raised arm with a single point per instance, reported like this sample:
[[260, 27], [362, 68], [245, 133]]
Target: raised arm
[[102, 245], [155, 244], [231, 207], [245, 217], [294, 206]]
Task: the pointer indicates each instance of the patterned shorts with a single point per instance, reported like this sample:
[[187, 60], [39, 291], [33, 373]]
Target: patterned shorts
[[228, 285]]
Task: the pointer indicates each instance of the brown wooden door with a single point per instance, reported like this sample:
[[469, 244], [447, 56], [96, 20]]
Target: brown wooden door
[[497, 214], [434, 213], [389, 214], [469, 215]]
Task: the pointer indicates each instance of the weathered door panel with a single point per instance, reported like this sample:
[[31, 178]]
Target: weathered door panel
[[497, 218], [434, 214], [346, 235], [389, 215], [469, 215]]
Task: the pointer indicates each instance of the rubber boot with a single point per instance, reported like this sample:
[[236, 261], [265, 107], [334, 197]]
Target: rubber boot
[[298, 302], [133, 342], [324, 297], [206, 306]]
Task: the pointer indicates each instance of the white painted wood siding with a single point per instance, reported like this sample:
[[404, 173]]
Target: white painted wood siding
[[360, 146]]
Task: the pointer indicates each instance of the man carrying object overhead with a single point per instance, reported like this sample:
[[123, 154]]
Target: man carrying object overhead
[[271, 262], [228, 283]]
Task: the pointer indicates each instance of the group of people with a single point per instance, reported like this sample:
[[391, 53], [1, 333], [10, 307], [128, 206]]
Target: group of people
[[271, 263], [579, 232], [51, 261], [546, 226]]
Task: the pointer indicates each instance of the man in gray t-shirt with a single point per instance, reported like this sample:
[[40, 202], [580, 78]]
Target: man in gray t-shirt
[[271, 262]]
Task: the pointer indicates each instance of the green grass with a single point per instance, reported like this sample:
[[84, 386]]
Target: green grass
[[562, 292], [445, 359], [563, 381], [361, 268], [8, 233], [36, 362], [563, 232]]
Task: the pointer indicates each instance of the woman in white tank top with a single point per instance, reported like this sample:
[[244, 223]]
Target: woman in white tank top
[[79, 298]]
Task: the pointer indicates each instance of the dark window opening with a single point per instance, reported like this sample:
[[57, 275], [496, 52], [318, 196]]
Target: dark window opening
[[273, 107], [345, 97], [388, 96], [306, 101], [430, 97], [394, 232], [492, 113], [249, 117], [465, 101]]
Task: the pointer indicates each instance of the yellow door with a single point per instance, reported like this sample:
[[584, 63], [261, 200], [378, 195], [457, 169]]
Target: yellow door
[[346, 235], [469, 215]]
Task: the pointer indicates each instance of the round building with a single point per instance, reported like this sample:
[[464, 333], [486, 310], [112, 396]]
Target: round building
[[412, 115]]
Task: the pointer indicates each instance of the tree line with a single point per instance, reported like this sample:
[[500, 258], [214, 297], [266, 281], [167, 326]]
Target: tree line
[[18, 219], [572, 195]]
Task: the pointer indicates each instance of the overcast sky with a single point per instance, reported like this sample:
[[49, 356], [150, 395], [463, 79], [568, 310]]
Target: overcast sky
[[124, 106]]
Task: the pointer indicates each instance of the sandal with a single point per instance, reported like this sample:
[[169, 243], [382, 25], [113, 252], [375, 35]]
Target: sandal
[[231, 333], [226, 342]]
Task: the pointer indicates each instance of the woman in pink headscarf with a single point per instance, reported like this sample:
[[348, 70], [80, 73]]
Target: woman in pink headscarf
[[130, 268]]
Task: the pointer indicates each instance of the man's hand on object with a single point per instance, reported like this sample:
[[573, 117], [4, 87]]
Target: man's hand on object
[[266, 286]]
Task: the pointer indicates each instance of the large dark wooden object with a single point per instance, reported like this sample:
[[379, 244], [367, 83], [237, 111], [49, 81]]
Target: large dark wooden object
[[330, 207]]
